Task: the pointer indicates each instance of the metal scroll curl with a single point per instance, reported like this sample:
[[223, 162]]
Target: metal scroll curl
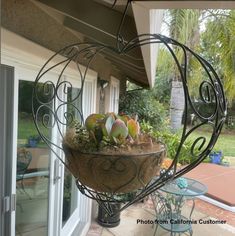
[[57, 103]]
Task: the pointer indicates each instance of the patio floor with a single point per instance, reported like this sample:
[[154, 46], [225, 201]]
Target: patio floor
[[129, 226], [220, 181], [219, 188]]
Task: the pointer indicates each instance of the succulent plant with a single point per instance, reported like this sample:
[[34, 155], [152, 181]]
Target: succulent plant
[[109, 132], [133, 128], [119, 131], [112, 127], [92, 121]]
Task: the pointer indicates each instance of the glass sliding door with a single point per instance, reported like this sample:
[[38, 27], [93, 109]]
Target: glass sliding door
[[76, 207], [43, 184], [70, 200], [70, 207], [7, 147], [32, 177], [47, 200], [70, 191]]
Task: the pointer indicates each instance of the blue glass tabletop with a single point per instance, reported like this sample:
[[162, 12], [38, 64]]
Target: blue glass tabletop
[[191, 187]]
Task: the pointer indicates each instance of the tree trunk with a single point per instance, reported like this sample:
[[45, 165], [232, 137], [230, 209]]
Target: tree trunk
[[177, 105]]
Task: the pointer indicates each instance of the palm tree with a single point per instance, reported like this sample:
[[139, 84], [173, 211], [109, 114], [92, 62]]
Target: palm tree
[[218, 43], [184, 27]]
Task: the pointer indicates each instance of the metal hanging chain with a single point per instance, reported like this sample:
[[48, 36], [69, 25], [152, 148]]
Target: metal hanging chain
[[114, 4], [120, 39]]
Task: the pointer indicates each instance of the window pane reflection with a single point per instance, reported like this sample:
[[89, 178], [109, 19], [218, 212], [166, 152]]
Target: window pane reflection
[[32, 170], [70, 195]]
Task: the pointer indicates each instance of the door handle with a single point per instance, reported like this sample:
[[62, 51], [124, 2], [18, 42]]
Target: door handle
[[57, 171]]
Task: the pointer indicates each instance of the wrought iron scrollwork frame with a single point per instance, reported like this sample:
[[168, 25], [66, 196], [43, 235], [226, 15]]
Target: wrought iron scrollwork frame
[[48, 106]]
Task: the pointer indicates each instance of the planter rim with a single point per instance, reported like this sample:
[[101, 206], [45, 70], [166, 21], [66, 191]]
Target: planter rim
[[161, 149]]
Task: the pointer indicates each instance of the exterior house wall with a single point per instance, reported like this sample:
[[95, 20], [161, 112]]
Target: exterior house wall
[[31, 60], [25, 19]]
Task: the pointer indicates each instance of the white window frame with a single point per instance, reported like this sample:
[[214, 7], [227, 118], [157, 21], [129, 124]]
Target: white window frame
[[77, 219], [27, 58], [114, 90]]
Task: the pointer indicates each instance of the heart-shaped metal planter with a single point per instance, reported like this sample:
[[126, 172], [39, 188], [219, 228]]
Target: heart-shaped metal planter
[[99, 176]]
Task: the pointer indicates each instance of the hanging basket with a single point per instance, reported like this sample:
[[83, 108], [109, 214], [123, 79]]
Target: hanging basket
[[114, 173], [55, 105]]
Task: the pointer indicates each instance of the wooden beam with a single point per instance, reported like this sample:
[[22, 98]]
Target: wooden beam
[[134, 57], [99, 23], [89, 31], [95, 15]]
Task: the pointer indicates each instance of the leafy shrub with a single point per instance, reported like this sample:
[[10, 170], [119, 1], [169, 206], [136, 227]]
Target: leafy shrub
[[172, 141], [144, 104]]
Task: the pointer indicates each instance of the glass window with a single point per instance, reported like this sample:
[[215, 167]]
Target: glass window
[[114, 95]]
